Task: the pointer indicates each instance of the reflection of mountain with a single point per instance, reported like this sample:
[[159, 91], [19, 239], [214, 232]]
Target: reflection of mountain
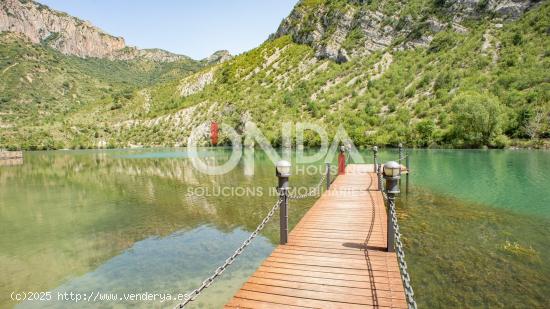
[[171, 264], [73, 211]]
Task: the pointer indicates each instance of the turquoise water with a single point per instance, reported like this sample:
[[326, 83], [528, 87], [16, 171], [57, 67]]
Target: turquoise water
[[476, 225], [517, 180]]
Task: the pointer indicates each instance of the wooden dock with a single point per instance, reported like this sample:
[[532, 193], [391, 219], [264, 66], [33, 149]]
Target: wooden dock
[[335, 256]]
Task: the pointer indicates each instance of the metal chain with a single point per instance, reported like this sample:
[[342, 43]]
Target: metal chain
[[405, 277], [403, 158], [401, 257], [208, 281], [313, 191], [381, 184]]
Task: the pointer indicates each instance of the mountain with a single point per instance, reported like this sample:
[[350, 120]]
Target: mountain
[[338, 29], [218, 57], [70, 35], [428, 73]]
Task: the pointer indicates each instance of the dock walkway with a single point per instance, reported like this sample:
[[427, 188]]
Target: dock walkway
[[335, 256]]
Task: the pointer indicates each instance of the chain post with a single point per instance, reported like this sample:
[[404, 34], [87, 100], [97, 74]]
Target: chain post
[[391, 232], [328, 174], [392, 174], [407, 164], [400, 157], [379, 172], [283, 215], [342, 161], [375, 154], [282, 171]]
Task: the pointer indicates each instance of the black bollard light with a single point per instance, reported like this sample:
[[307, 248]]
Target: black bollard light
[[282, 171], [392, 174]]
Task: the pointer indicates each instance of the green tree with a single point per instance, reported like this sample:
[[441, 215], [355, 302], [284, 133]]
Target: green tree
[[424, 132], [476, 119]]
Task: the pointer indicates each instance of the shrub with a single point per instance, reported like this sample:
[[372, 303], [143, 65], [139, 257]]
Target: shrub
[[476, 119]]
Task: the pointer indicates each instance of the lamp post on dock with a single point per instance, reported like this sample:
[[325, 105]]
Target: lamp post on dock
[[392, 174], [282, 171]]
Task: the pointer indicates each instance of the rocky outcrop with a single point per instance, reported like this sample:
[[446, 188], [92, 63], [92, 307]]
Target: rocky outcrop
[[510, 9], [340, 32], [218, 57], [196, 82], [152, 54], [65, 33], [70, 35]]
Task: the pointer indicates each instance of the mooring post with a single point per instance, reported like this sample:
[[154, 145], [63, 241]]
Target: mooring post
[[379, 172], [392, 174], [375, 152], [328, 174], [407, 175], [400, 161], [282, 171], [342, 160]]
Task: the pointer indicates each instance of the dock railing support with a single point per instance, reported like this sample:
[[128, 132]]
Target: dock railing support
[[282, 171], [342, 161], [400, 161], [328, 174], [392, 174], [375, 154], [379, 172], [407, 175]]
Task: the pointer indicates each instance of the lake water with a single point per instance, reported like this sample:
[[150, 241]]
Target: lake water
[[476, 226]]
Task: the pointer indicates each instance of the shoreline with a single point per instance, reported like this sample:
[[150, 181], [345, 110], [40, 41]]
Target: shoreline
[[542, 144]]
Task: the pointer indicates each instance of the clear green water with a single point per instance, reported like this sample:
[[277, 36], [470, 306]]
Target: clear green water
[[477, 226]]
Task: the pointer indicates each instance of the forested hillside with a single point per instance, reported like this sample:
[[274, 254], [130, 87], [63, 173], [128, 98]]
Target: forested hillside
[[428, 73]]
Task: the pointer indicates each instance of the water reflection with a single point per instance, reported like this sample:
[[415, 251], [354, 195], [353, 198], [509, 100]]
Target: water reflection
[[172, 264], [119, 219], [72, 211]]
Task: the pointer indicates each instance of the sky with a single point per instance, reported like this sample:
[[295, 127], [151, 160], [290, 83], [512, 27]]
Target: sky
[[195, 28]]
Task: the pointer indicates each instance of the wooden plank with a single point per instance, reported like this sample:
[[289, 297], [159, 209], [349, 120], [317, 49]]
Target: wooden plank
[[295, 301], [335, 257], [237, 302]]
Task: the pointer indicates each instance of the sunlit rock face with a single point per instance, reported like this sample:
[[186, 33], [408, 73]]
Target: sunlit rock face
[[70, 35], [354, 28]]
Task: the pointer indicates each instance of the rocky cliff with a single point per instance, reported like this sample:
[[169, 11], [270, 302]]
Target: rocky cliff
[[334, 28], [70, 35]]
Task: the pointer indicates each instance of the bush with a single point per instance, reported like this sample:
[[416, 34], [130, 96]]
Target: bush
[[476, 119], [501, 141]]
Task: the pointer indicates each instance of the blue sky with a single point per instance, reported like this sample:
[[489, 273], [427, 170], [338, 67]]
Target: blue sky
[[195, 28]]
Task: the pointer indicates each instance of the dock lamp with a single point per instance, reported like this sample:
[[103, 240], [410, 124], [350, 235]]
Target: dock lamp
[[282, 171], [392, 173]]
